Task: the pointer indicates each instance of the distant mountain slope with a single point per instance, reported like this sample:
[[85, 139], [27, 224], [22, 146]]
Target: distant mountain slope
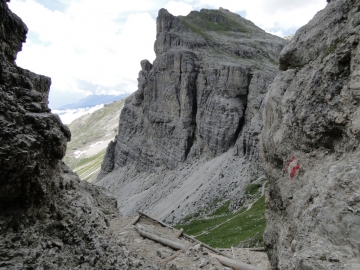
[[90, 135], [93, 100]]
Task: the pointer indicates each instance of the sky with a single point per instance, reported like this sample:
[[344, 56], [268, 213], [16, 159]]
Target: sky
[[92, 47]]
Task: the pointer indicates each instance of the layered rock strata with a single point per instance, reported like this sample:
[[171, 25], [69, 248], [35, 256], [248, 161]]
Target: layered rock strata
[[49, 219], [310, 145], [199, 99]]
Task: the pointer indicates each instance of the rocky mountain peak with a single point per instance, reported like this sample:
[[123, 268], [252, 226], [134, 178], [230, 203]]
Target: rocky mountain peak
[[12, 27], [200, 98], [221, 20], [166, 21]]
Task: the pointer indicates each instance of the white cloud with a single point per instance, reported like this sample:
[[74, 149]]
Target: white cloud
[[271, 15], [102, 42], [67, 116], [88, 43], [178, 8]]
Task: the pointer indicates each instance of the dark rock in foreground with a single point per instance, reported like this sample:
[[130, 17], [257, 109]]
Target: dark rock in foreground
[[311, 145], [49, 219]]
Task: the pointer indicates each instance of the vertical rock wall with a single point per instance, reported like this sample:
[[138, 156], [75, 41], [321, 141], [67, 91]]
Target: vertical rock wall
[[187, 102], [32, 139], [310, 145], [49, 219]]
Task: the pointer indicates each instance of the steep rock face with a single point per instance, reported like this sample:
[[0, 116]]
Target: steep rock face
[[49, 219], [206, 84], [310, 145], [28, 127]]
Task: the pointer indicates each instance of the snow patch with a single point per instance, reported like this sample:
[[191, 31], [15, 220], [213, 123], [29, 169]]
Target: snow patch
[[77, 154]]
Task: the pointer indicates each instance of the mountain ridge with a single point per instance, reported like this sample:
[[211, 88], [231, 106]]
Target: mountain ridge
[[93, 100]]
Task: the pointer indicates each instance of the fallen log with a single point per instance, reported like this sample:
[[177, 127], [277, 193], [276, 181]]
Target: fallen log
[[158, 221], [170, 258], [133, 221], [236, 265], [166, 242], [179, 233], [184, 235]]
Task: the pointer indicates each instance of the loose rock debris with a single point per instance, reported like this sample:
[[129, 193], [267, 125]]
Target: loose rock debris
[[164, 247]]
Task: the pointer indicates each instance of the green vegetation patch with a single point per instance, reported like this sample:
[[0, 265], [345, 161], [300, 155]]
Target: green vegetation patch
[[252, 189], [87, 167], [206, 210], [86, 130], [223, 229], [212, 20], [222, 210], [107, 212]]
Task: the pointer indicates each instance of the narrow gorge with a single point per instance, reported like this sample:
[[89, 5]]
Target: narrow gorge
[[223, 105]]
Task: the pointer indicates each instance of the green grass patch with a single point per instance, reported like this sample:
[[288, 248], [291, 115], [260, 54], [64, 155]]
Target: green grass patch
[[86, 161], [252, 189], [212, 20], [223, 229], [204, 224], [188, 218], [196, 29], [88, 129], [87, 166], [222, 210], [107, 212]]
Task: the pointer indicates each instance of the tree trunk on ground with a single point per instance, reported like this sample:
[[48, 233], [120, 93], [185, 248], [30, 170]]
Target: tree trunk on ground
[[163, 241], [236, 265]]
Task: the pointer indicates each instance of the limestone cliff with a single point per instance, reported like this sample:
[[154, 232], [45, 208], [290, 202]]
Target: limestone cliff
[[49, 219], [310, 145], [200, 99]]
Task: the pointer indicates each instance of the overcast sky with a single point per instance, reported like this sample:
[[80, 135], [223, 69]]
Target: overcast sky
[[95, 47]]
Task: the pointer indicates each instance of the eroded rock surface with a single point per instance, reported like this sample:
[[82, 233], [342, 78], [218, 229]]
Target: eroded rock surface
[[310, 145], [49, 219], [199, 99]]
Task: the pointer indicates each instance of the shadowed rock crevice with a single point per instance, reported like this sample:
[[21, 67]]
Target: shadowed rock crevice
[[242, 120], [192, 138]]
